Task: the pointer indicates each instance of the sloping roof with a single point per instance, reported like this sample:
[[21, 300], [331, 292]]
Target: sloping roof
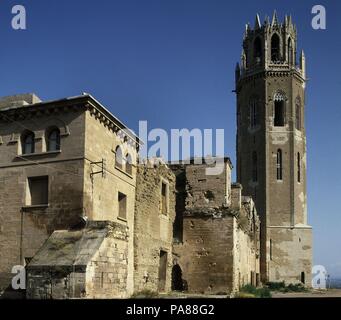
[[30, 101], [71, 247]]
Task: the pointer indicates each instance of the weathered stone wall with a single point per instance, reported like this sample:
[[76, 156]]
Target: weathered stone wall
[[206, 254], [107, 272], [106, 275], [291, 254], [246, 247], [91, 263], [205, 190], [220, 241], [55, 283], [101, 192], [153, 229], [24, 229]]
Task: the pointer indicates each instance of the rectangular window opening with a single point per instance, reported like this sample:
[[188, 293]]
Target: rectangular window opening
[[37, 191], [164, 198], [122, 205]]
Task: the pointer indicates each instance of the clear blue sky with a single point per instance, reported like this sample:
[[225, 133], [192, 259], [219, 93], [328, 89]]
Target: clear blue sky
[[171, 62]]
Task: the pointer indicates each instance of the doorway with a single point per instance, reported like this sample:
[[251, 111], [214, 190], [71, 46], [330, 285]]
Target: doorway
[[177, 282]]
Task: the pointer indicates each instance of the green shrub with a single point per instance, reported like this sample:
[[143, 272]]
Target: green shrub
[[263, 293], [144, 294], [249, 291], [275, 285], [296, 287], [281, 287]]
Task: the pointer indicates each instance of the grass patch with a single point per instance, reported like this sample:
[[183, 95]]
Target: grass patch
[[250, 291]]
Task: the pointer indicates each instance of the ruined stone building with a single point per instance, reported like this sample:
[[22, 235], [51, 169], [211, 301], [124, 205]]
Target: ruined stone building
[[216, 245], [88, 219], [271, 146]]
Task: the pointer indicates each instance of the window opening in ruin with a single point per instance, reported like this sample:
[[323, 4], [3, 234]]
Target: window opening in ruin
[[303, 277], [122, 205], [164, 197]]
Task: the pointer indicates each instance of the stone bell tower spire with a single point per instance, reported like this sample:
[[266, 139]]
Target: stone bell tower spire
[[271, 146]]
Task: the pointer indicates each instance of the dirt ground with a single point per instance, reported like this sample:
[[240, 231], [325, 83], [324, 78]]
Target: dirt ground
[[330, 293]]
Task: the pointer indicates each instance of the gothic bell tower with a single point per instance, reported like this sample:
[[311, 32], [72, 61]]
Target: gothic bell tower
[[271, 146]]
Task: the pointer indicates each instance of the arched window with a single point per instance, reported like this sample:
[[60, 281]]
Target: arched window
[[53, 140], [257, 50], [275, 53], [253, 113], [28, 143], [279, 109], [298, 114], [290, 52], [129, 164], [279, 165], [298, 167], [254, 166], [119, 158]]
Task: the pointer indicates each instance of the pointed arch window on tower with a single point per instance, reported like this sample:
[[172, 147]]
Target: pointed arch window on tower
[[279, 109], [298, 114], [275, 48], [298, 167], [279, 165], [254, 167], [253, 113], [257, 50], [290, 52]]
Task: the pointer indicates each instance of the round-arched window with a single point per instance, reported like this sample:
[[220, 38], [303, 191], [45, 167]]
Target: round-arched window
[[129, 164], [28, 143], [53, 140]]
